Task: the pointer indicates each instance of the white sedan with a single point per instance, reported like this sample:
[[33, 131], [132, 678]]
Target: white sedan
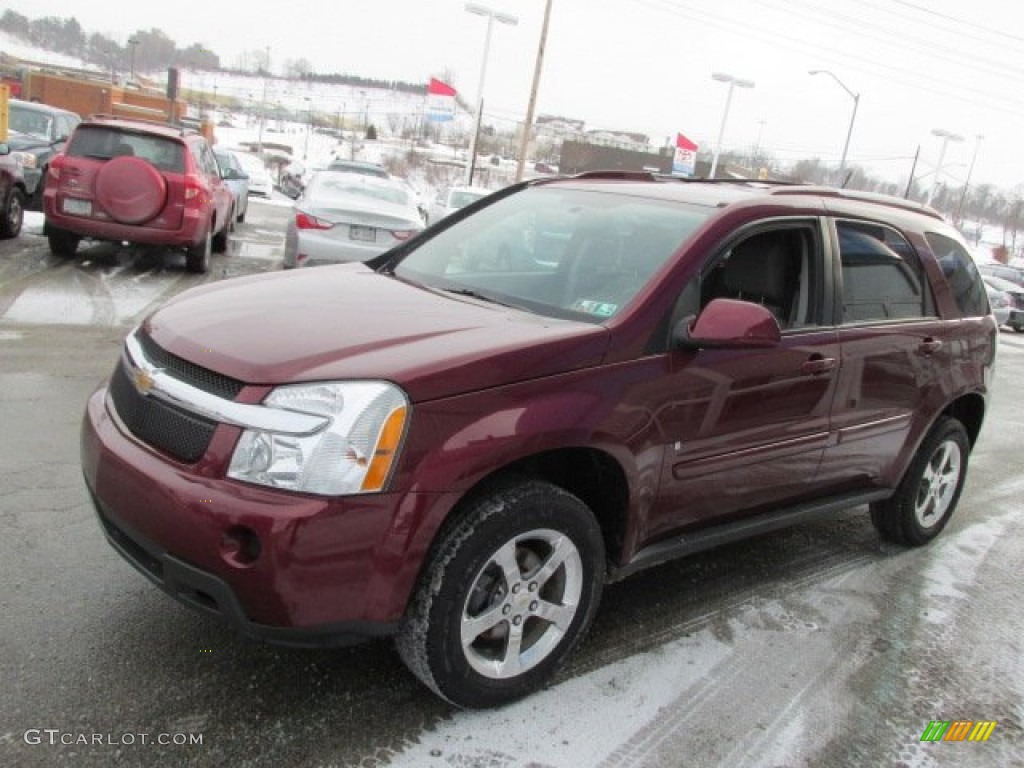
[[260, 182], [343, 217]]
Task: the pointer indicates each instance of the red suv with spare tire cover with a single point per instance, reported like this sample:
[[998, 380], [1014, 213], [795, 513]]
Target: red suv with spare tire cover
[[138, 182], [461, 442]]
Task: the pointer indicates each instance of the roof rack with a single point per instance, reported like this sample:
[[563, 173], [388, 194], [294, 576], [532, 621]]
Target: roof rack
[[651, 176], [102, 116], [772, 187], [863, 197]]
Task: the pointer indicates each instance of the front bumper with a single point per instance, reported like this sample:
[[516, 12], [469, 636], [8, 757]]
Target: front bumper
[[325, 571]]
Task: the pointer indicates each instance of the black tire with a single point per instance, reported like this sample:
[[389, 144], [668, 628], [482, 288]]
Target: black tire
[[554, 544], [930, 490], [219, 243], [197, 257], [13, 215], [241, 217], [62, 243]]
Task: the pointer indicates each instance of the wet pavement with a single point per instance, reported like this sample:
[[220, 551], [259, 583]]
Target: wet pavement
[[817, 646]]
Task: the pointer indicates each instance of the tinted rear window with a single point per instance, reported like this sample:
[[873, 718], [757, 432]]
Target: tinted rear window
[[102, 143]]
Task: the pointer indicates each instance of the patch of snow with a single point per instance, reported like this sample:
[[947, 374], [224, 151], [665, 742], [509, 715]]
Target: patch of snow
[[579, 722]]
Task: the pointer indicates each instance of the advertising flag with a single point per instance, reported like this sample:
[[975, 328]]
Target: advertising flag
[[440, 101], [684, 162]]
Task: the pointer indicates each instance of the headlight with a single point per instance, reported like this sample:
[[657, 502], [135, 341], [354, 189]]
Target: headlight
[[27, 159], [354, 453]]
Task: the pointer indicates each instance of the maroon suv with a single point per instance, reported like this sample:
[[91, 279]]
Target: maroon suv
[[462, 441], [139, 182]]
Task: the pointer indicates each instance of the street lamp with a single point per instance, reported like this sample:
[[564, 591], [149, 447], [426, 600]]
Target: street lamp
[[734, 82], [132, 43], [492, 16], [853, 117], [946, 137]]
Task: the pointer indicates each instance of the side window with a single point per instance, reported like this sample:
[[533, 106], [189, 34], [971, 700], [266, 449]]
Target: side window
[[882, 277], [777, 268], [209, 161], [961, 274]]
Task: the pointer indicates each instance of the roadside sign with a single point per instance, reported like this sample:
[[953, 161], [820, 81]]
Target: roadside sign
[[5, 95]]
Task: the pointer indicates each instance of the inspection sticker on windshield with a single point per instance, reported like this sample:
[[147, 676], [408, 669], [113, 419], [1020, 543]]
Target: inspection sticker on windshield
[[363, 234], [599, 308]]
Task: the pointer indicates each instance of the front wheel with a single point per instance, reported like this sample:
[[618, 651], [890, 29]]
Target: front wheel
[[507, 594], [929, 492]]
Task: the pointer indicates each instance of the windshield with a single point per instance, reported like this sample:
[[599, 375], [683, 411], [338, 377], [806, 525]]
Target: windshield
[[556, 251], [30, 121]]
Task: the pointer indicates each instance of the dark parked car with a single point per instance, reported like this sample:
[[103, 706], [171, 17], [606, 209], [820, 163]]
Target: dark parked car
[[12, 194], [461, 451], [37, 133], [139, 182]]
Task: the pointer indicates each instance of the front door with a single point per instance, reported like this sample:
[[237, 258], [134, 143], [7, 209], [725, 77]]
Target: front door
[[747, 428]]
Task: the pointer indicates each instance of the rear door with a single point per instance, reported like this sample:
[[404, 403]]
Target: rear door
[[895, 354], [206, 166]]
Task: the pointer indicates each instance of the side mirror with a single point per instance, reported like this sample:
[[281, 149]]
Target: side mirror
[[729, 324]]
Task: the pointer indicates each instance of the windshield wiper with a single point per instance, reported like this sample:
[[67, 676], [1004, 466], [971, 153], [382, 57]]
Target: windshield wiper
[[475, 295]]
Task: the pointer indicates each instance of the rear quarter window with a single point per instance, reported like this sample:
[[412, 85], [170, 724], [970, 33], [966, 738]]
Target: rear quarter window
[[961, 274]]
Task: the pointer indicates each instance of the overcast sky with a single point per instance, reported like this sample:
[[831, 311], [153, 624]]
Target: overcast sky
[[646, 65]]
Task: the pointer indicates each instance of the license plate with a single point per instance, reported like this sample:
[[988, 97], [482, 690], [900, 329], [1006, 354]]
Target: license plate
[[77, 207], [362, 234]]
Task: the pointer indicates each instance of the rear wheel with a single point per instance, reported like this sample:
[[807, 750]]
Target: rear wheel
[[62, 243], [197, 257], [930, 490], [509, 591], [13, 214]]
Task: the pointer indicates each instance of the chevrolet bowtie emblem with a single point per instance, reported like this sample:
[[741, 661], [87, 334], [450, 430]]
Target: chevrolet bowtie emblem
[[143, 382]]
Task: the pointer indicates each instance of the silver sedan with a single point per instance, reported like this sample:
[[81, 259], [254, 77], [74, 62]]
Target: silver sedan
[[347, 217]]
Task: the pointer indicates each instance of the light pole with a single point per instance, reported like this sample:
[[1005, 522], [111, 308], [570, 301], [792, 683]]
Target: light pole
[[492, 16], [309, 125], [524, 141], [967, 183], [734, 82], [946, 137], [132, 43], [853, 117]]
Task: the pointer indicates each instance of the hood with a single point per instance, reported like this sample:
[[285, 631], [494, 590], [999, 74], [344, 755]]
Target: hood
[[348, 322]]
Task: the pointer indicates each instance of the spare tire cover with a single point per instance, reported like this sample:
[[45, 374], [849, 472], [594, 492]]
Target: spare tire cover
[[130, 189]]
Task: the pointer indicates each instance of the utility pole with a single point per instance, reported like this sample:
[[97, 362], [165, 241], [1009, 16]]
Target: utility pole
[[524, 142]]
